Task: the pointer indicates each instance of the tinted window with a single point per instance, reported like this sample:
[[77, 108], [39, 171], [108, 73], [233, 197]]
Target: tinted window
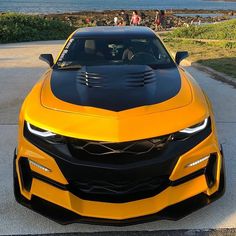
[[110, 51]]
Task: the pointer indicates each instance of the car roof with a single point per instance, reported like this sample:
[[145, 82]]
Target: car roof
[[111, 31]]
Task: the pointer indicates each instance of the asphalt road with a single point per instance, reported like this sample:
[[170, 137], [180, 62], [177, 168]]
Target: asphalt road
[[20, 69]]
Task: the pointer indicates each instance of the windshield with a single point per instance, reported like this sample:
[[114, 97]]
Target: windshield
[[110, 51]]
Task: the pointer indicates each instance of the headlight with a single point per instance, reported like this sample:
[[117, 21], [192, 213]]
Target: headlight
[[45, 135], [40, 132], [195, 128], [188, 132]]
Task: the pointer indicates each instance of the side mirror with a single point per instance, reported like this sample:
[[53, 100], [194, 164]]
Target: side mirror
[[47, 58], [180, 56]]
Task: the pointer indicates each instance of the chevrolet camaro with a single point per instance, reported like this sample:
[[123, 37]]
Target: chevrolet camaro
[[116, 132]]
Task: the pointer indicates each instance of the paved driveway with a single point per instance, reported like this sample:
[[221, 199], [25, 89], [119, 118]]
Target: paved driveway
[[20, 69]]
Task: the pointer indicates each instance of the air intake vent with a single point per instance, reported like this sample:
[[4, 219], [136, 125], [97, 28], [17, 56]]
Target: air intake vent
[[140, 79], [25, 173], [118, 191], [92, 80]]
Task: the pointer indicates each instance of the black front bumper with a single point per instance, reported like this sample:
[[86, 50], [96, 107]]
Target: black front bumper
[[64, 216], [117, 177]]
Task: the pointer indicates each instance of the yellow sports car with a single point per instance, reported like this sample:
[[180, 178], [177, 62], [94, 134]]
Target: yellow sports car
[[116, 132]]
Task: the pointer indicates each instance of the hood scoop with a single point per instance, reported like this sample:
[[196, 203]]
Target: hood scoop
[[115, 87]]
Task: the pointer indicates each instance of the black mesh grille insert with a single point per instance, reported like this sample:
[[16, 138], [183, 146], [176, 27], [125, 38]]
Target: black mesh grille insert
[[80, 147]]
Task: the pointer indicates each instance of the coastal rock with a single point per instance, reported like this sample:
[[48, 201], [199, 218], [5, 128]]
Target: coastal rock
[[173, 18]]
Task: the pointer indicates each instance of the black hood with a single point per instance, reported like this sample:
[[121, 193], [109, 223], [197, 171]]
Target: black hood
[[117, 87]]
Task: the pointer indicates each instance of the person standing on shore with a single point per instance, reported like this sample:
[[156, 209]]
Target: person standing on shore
[[136, 19], [162, 19], [159, 19], [125, 17], [115, 20]]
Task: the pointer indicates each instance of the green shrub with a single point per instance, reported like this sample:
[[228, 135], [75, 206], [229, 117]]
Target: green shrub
[[223, 30], [16, 27]]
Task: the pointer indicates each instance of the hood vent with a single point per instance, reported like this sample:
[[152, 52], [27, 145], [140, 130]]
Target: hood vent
[[130, 80], [92, 80], [140, 79]]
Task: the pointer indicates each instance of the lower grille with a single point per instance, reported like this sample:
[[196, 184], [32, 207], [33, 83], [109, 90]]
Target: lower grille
[[119, 191]]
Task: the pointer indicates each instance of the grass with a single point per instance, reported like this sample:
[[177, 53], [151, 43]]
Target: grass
[[219, 55], [220, 31], [16, 27]]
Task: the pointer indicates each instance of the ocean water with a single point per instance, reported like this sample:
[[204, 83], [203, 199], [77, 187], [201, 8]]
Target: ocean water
[[57, 6], [204, 15]]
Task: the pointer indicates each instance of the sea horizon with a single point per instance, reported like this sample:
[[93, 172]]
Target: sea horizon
[[62, 6]]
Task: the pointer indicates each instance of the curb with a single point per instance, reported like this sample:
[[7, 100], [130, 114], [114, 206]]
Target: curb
[[214, 74]]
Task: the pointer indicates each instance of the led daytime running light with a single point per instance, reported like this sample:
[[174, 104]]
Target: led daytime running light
[[195, 129], [39, 133], [197, 162], [39, 166]]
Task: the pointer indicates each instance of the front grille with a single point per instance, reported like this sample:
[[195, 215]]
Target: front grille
[[117, 172], [81, 147], [117, 186]]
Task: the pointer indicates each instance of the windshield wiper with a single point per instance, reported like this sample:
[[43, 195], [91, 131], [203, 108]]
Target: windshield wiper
[[70, 67], [67, 65]]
